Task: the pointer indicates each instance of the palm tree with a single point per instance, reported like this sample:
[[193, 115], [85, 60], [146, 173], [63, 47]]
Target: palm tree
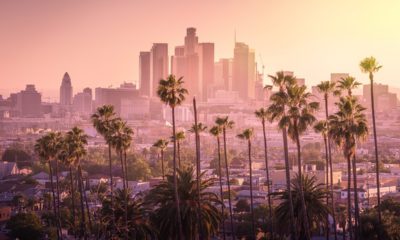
[[165, 214], [370, 65], [277, 110], [102, 122], [263, 115], [247, 134], [121, 140], [47, 148], [162, 145], [224, 123], [348, 84], [65, 157], [328, 88], [322, 128], [180, 136], [297, 120], [346, 127], [317, 211], [172, 93], [216, 131], [77, 140], [196, 129]]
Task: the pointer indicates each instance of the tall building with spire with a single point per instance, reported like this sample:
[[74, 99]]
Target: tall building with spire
[[66, 91]]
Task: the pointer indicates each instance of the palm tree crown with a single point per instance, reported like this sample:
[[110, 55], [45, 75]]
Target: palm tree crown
[[348, 124], [348, 84], [171, 92], [370, 65]]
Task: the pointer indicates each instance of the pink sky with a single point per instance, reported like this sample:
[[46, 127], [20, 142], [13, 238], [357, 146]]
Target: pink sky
[[98, 41]]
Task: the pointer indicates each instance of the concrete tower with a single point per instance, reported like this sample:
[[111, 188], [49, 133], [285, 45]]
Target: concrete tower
[[66, 91]]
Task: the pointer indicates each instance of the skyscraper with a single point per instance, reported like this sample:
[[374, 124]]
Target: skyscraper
[[244, 71], [82, 102], [158, 66], [29, 102], [144, 73], [194, 62], [66, 91], [206, 69]]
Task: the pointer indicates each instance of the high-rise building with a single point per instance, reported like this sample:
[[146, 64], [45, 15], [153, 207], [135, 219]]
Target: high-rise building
[[29, 102], [144, 73], [384, 100], [126, 100], [66, 91], [223, 70], [336, 77], [82, 102], [206, 69], [191, 41], [158, 66], [244, 71], [194, 62]]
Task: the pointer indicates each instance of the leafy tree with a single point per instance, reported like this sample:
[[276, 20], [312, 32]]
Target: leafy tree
[[138, 169], [25, 226], [242, 206]]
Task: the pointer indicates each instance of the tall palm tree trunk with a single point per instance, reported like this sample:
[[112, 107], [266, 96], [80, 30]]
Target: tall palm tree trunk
[[125, 193], [177, 200], [126, 170], [162, 164], [356, 205], [378, 186], [331, 170], [197, 166], [253, 228], [287, 170], [58, 198], [88, 209], [220, 187], [303, 201], [83, 217], [268, 181], [111, 189], [179, 153], [349, 197], [327, 184], [229, 184], [54, 199], [72, 200]]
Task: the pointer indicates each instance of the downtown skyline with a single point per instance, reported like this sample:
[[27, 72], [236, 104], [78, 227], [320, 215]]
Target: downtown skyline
[[325, 38]]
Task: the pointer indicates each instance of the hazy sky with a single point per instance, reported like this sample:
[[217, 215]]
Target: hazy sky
[[98, 41]]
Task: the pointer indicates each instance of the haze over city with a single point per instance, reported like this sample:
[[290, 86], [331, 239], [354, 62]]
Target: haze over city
[[199, 120], [98, 42]]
